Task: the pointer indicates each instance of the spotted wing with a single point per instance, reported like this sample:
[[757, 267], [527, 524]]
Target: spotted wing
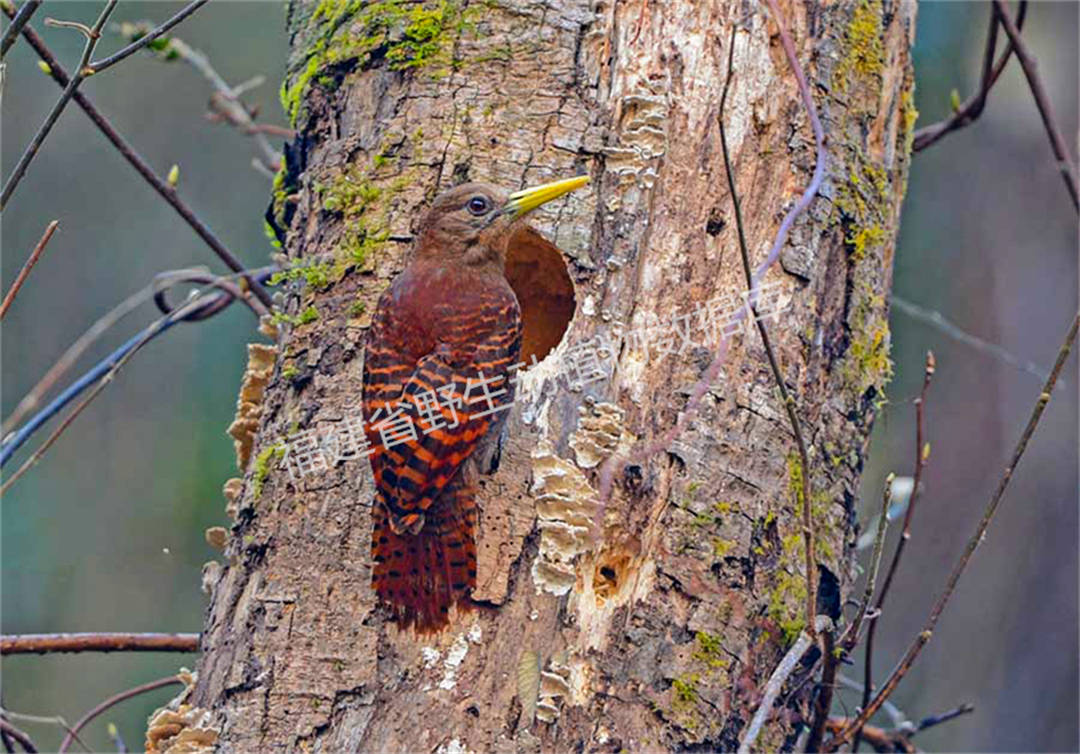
[[476, 348]]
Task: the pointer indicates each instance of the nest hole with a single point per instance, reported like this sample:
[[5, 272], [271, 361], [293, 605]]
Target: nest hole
[[537, 273]]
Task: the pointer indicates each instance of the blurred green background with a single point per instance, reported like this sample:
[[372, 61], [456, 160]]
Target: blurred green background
[[107, 534]]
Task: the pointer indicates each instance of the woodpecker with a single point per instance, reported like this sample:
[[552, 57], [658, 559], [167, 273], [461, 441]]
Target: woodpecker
[[444, 340]]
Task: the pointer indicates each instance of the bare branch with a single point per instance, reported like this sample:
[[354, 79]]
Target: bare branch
[[22, 738], [93, 35], [197, 308], [905, 535], [100, 65], [56, 720], [56, 71], [113, 700], [972, 108], [930, 722], [777, 680], [976, 539], [21, 18], [19, 644], [938, 320], [25, 271], [1046, 110], [833, 655]]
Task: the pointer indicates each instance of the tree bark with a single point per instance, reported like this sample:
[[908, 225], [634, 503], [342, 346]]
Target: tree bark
[[657, 627]]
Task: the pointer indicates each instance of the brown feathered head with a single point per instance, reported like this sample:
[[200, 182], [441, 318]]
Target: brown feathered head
[[472, 223]]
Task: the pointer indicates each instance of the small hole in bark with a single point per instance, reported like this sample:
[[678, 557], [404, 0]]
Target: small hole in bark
[[538, 275], [610, 574], [715, 223], [472, 710]]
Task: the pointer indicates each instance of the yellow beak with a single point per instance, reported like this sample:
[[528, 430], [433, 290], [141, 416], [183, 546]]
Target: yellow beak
[[526, 200]]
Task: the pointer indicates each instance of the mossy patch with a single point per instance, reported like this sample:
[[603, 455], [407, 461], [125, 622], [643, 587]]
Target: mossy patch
[[264, 463], [317, 276], [709, 651], [308, 315], [350, 34], [864, 49]]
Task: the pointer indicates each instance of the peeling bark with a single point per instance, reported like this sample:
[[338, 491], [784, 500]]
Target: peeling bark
[[658, 627]]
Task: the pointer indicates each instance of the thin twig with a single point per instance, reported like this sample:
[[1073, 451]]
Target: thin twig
[[129, 349], [772, 689], [777, 680], [850, 637], [56, 71], [56, 720], [1046, 110], [24, 740], [938, 320], [882, 740], [789, 402], [823, 701], [197, 308], [980, 533], [100, 65], [18, 644], [905, 535], [21, 18], [812, 188], [33, 399], [973, 107], [25, 271], [113, 700], [897, 716], [932, 720], [229, 102], [81, 72]]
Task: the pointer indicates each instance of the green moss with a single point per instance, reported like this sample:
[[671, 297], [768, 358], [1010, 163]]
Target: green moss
[[864, 51], [349, 194], [721, 547], [709, 651], [787, 603], [352, 33], [357, 309], [307, 316], [359, 243], [317, 276], [684, 699], [263, 464], [290, 372], [271, 234], [867, 362], [866, 238]]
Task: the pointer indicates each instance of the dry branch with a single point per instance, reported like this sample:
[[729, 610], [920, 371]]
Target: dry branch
[[59, 75], [976, 539], [25, 271], [18, 644]]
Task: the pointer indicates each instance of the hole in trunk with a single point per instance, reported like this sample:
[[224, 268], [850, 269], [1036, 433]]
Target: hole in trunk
[[538, 275]]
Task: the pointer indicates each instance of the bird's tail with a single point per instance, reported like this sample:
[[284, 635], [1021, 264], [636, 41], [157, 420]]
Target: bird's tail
[[421, 576]]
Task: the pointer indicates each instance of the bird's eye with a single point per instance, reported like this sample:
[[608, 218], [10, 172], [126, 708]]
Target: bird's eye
[[478, 205]]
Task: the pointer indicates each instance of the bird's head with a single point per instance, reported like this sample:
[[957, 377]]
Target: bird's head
[[472, 223]]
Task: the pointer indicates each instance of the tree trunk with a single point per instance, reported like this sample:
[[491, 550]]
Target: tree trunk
[[657, 627]]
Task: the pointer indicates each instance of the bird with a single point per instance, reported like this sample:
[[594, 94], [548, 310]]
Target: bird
[[439, 364]]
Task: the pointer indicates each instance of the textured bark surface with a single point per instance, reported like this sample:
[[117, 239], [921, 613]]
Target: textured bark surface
[[660, 631]]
